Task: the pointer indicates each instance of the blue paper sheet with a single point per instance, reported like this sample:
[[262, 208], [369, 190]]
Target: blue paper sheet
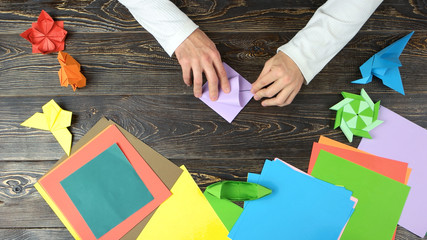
[[385, 65], [300, 207]]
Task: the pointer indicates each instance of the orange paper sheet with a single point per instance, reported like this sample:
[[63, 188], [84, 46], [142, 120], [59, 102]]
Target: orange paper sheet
[[51, 183], [330, 142]]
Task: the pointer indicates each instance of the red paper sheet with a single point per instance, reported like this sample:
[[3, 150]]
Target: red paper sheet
[[333, 143], [111, 135], [390, 168]]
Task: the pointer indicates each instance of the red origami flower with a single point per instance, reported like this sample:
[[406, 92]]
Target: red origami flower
[[46, 35]]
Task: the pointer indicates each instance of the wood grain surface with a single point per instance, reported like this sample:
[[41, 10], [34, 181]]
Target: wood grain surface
[[132, 81]]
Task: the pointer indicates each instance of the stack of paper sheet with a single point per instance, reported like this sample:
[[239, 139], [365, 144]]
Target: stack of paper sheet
[[111, 185], [400, 139], [378, 183], [299, 207]]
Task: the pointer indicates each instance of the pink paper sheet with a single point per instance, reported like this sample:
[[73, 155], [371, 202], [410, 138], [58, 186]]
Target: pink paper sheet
[[400, 139]]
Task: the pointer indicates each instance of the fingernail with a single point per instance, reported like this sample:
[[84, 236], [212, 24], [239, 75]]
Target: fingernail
[[214, 99], [227, 90]]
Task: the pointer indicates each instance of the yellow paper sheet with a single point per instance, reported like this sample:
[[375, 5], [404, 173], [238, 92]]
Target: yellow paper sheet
[[186, 215], [56, 210]]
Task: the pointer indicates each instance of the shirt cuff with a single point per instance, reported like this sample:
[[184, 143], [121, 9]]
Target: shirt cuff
[[185, 30]]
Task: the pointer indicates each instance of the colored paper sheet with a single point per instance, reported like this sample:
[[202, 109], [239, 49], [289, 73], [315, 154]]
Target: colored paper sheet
[[229, 105], [53, 119], [46, 35], [356, 115], [237, 191], [381, 199], [106, 190], [165, 169], [400, 139], [327, 141], [56, 210], [70, 74], [299, 207], [111, 135], [385, 65], [185, 215], [226, 210], [390, 168]]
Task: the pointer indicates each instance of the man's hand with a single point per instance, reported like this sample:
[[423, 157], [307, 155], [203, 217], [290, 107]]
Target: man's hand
[[280, 81], [197, 55]]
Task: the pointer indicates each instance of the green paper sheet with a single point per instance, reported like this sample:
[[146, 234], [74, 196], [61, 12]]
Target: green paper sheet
[[106, 190], [226, 210], [381, 199]]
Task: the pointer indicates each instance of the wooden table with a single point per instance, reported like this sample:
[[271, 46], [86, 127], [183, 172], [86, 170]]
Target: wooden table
[[132, 81]]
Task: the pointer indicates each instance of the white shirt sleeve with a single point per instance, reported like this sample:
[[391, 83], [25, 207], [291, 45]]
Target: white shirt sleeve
[[332, 26], [165, 21]]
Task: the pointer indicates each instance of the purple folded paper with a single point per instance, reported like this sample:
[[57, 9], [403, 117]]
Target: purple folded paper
[[229, 105], [400, 139]]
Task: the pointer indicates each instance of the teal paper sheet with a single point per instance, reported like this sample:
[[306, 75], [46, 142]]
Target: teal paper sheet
[[106, 190]]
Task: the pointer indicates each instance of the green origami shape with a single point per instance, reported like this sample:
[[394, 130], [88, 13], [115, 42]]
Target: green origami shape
[[237, 191], [356, 115], [221, 194]]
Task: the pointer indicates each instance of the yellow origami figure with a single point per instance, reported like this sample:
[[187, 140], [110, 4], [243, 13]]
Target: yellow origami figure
[[55, 120]]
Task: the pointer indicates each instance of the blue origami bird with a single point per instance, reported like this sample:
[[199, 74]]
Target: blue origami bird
[[385, 65]]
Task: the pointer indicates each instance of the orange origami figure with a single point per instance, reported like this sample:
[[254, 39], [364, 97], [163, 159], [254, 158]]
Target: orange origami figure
[[46, 35], [70, 72]]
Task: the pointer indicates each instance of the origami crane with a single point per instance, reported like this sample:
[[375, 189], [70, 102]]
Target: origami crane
[[46, 35], [385, 65], [229, 105], [357, 115], [55, 120], [70, 72]]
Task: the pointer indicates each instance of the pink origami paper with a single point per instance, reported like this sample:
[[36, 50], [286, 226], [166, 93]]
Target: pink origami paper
[[229, 105], [400, 139], [46, 35]]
